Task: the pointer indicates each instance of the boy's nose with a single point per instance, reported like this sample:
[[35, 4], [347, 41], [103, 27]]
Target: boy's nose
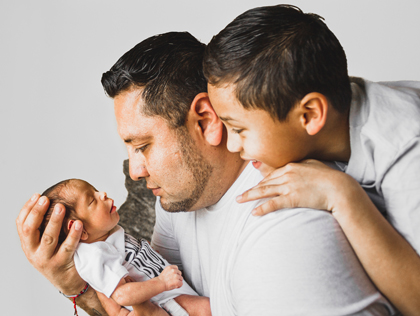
[[103, 196], [233, 145]]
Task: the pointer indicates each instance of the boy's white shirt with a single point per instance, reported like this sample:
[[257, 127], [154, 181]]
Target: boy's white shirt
[[102, 264], [385, 150]]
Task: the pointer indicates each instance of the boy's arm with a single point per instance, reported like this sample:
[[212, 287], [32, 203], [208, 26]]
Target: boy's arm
[[133, 293], [391, 262]]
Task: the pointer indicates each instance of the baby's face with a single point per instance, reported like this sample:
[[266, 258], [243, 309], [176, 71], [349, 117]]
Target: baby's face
[[95, 210]]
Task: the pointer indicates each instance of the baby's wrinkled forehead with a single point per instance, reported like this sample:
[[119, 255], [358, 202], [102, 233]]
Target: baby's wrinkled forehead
[[74, 190]]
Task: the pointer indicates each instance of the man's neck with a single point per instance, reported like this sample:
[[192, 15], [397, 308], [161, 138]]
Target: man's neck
[[225, 173]]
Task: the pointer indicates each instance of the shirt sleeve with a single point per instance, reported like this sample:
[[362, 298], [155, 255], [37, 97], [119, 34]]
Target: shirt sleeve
[[401, 192], [100, 264], [298, 262], [163, 239]]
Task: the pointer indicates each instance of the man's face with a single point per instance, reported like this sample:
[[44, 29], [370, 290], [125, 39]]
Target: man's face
[[167, 158], [254, 133]]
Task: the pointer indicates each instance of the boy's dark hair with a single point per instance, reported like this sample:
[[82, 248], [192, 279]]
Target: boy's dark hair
[[168, 67], [56, 195], [276, 55]]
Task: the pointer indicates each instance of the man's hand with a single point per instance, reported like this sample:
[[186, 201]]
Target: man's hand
[[309, 183], [171, 277], [55, 264]]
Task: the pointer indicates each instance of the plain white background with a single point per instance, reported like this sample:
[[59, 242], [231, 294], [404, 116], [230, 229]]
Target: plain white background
[[56, 122]]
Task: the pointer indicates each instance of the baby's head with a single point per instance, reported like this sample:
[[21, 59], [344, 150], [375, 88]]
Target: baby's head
[[82, 202]]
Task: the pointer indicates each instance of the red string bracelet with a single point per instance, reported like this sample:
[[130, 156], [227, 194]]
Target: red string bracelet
[[76, 296]]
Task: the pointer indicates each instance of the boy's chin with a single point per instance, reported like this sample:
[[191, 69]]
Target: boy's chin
[[265, 170]]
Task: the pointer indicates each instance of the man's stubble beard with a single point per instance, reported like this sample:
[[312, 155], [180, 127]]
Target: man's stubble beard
[[199, 167]]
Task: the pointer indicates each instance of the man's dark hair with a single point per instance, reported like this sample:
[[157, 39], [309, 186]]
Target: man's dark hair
[[275, 56], [56, 194], [169, 68]]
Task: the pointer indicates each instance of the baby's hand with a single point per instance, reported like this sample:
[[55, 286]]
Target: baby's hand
[[171, 277], [128, 279]]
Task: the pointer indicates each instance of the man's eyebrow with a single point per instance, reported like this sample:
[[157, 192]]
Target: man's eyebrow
[[131, 139]]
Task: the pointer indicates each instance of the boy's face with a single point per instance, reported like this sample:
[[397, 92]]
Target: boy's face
[[95, 210], [255, 134]]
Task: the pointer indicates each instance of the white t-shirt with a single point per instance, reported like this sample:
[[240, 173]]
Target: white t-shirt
[[289, 262], [385, 150], [102, 264]]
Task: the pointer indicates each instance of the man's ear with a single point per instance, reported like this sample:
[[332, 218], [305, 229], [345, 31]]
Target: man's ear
[[313, 110], [206, 120]]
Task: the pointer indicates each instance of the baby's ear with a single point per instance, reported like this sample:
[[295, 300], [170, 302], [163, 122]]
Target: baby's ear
[[70, 224], [85, 235]]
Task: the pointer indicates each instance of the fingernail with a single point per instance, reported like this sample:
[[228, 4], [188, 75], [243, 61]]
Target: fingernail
[[33, 198], [78, 226], [254, 212], [42, 200], [239, 198], [57, 209]]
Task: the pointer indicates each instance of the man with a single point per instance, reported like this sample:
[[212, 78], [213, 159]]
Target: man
[[292, 262]]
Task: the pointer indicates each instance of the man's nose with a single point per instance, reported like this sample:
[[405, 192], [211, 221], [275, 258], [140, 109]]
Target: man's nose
[[137, 171]]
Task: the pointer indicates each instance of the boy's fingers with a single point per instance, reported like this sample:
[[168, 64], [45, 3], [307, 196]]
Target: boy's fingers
[[67, 249], [268, 207], [52, 231], [29, 233], [259, 192]]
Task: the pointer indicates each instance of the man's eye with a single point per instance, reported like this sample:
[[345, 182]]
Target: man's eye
[[141, 149], [237, 130]]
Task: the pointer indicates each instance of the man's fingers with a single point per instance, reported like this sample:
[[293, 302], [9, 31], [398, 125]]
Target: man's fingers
[[52, 231], [259, 192], [29, 233], [67, 249], [26, 209]]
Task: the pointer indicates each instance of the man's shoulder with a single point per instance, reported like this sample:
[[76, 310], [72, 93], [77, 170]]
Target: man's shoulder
[[293, 259]]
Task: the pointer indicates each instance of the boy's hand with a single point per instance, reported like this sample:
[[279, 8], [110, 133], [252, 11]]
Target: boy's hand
[[56, 266], [309, 183], [171, 277]]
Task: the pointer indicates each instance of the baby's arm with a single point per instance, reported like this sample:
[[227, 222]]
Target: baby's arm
[[391, 262], [133, 293]]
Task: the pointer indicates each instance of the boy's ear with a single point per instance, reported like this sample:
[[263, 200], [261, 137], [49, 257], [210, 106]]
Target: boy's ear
[[206, 120], [314, 109]]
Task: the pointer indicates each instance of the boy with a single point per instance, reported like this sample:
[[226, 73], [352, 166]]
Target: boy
[[115, 264], [278, 80]]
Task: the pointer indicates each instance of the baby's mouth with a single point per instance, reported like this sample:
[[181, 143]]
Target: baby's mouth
[[112, 207]]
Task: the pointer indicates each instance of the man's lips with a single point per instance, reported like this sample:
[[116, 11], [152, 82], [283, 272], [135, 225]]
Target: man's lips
[[155, 190]]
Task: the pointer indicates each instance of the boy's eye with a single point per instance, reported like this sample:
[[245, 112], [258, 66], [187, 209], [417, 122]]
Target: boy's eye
[[140, 149], [237, 130]]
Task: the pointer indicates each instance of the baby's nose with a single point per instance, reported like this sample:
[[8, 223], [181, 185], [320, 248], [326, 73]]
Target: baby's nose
[[103, 196]]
